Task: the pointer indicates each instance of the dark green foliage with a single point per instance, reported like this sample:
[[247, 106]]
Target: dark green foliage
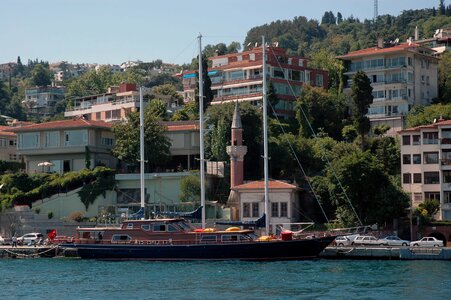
[[87, 158], [11, 166], [424, 115], [208, 94], [24, 189], [40, 76], [95, 188], [324, 111], [190, 189], [362, 98], [444, 78]]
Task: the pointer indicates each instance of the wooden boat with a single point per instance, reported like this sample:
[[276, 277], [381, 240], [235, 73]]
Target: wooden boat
[[175, 239]]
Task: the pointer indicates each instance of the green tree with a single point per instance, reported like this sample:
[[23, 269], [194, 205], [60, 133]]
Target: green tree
[[362, 99], [218, 143], [208, 94], [441, 8], [272, 98], [190, 189], [322, 109], [157, 108], [324, 59], [40, 76], [424, 115], [4, 98], [156, 144], [444, 78]]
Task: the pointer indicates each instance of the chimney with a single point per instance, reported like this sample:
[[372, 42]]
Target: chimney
[[380, 43], [417, 33]]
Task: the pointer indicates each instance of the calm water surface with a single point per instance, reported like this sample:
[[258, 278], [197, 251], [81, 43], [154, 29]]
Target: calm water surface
[[63, 278]]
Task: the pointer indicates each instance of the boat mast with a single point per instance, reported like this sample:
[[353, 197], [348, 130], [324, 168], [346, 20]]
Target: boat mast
[[265, 138], [201, 129], [141, 149]]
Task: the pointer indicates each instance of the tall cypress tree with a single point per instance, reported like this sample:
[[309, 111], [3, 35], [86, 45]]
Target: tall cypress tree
[[362, 97]]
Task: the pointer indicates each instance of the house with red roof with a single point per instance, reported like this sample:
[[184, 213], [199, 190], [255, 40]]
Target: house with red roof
[[238, 77], [65, 145], [402, 75], [426, 164]]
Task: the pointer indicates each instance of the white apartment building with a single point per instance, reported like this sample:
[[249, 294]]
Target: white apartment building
[[42, 100], [426, 164], [402, 75]]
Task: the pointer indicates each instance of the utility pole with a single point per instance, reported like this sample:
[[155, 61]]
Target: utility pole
[[376, 10]]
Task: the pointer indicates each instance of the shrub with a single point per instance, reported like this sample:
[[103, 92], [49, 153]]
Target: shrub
[[76, 216], [37, 210], [50, 214]]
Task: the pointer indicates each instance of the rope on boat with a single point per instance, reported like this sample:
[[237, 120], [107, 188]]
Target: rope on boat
[[31, 255]]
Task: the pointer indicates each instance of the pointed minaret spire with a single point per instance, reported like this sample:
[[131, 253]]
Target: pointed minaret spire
[[236, 151]]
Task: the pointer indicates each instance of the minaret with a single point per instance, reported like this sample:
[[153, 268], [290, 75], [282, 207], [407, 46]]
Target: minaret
[[236, 151]]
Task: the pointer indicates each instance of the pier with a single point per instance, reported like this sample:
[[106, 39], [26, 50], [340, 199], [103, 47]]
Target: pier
[[388, 253], [29, 251]]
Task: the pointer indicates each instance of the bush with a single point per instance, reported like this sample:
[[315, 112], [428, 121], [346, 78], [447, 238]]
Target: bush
[[50, 214], [76, 216], [37, 210]]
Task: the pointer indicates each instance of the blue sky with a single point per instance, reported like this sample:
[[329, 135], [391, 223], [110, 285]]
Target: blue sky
[[114, 31]]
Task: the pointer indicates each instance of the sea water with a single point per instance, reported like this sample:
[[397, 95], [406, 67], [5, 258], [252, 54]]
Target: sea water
[[62, 278]]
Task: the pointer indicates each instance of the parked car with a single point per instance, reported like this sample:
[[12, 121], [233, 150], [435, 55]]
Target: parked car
[[4, 241], [342, 241], [428, 241], [368, 240], [30, 238], [393, 240]]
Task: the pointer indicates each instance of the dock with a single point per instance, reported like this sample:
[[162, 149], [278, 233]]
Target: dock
[[388, 253], [29, 251]]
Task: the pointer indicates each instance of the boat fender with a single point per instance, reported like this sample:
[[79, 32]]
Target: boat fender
[[233, 229], [209, 230]]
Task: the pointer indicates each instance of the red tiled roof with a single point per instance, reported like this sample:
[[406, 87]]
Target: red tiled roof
[[377, 50], [6, 131], [260, 185], [63, 124], [429, 126], [182, 125]]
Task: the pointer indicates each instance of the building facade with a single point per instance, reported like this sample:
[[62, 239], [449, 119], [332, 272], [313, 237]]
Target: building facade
[[426, 164], [41, 101], [239, 77], [65, 145], [402, 75], [8, 145]]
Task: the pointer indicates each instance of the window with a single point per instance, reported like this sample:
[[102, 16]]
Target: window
[[447, 176], [406, 159], [98, 116], [446, 157], [52, 139], [295, 75], [145, 227], [430, 138], [416, 139], [319, 79], [158, 227], [283, 209], [431, 178], [66, 166], [121, 238], [208, 238], [246, 210], [229, 238], [130, 225], [172, 228], [107, 141], [416, 159], [447, 197], [430, 157], [432, 196], [275, 209], [29, 140], [406, 178], [76, 138], [406, 140], [417, 197], [255, 210], [278, 73], [417, 178]]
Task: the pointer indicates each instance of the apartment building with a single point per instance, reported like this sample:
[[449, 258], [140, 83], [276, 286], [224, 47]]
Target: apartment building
[[239, 77], [8, 141], [426, 164], [64, 145], [111, 106], [402, 75], [41, 101]]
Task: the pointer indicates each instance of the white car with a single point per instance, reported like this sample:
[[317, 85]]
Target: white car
[[3, 241], [428, 241], [368, 240], [29, 238], [393, 240], [342, 241]]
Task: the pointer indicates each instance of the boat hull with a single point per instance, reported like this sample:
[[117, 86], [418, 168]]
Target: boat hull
[[271, 250]]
